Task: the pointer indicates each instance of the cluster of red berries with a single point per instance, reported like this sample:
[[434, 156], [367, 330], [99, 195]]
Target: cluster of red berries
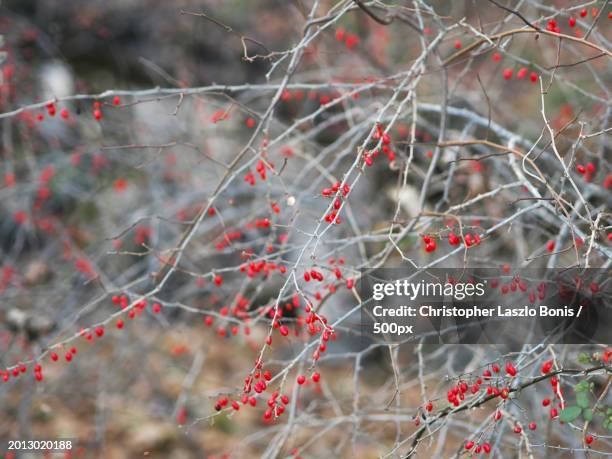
[[520, 74], [471, 239], [350, 39], [97, 112], [262, 266], [587, 171], [261, 167], [385, 140], [552, 26], [546, 368], [20, 369], [457, 393], [430, 244], [239, 310], [298, 96], [486, 447], [258, 382], [227, 238], [313, 274], [301, 379], [519, 285], [68, 356], [453, 239], [139, 306], [333, 217]]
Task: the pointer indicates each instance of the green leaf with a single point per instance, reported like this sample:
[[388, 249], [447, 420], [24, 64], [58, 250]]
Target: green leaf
[[582, 386], [570, 413], [582, 399], [583, 358], [587, 414]]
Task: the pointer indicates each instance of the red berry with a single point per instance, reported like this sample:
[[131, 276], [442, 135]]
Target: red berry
[[533, 77], [550, 246], [583, 12], [469, 445], [301, 379], [517, 429], [510, 369], [316, 377], [429, 406], [119, 324], [590, 167], [588, 439], [508, 74], [547, 366], [351, 40], [533, 426], [572, 21], [116, 100], [97, 114], [54, 357]]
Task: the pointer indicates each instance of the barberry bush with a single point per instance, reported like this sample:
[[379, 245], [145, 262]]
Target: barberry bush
[[189, 194]]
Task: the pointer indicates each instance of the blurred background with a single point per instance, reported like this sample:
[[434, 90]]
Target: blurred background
[[96, 193]]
